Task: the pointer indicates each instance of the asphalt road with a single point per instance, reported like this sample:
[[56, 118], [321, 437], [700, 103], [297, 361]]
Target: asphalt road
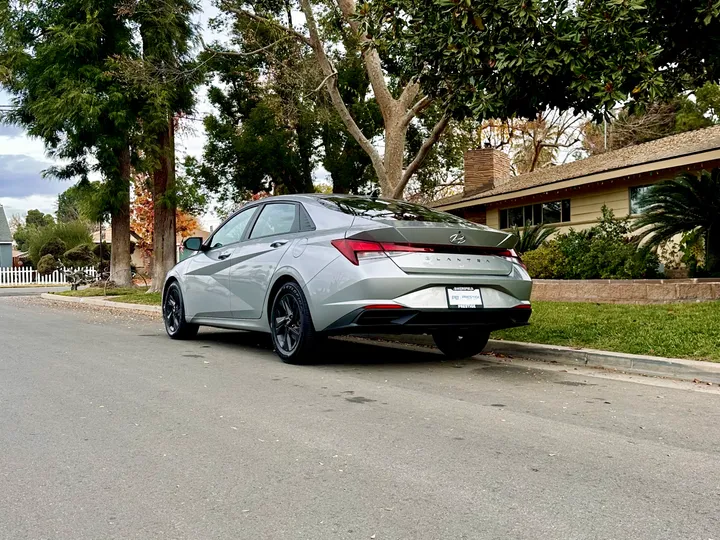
[[28, 291], [109, 430]]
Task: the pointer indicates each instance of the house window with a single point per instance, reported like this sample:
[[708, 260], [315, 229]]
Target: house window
[[535, 214], [636, 195]]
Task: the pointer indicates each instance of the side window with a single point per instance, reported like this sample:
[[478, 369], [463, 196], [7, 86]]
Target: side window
[[637, 194], [275, 219], [233, 230]]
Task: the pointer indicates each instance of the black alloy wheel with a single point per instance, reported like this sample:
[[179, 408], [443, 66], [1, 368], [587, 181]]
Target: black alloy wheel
[[291, 326], [174, 315]]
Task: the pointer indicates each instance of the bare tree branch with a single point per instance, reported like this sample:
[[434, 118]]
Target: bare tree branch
[[324, 81], [409, 93], [416, 109], [248, 53], [337, 100], [422, 154]]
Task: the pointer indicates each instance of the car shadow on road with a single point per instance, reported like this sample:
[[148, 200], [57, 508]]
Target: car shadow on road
[[344, 351]]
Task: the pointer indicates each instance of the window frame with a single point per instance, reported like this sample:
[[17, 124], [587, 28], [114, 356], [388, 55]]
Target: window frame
[[533, 208], [630, 199], [207, 245], [295, 226]]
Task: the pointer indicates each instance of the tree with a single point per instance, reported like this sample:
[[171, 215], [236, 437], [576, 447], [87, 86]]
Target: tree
[[686, 204], [636, 123], [78, 202], [274, 124], [164, 77], [501, 60], [143, 220], [263, 136], [35, 218], [60, 58]]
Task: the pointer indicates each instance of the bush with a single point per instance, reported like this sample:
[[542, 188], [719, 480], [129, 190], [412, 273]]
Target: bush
[[531, 237], [78, 256], [602, 252], [72, 233], [545, 262], [106, 250], [47, 265], [55, 247]]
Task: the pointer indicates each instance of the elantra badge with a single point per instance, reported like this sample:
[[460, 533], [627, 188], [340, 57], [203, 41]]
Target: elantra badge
[[458, 238]]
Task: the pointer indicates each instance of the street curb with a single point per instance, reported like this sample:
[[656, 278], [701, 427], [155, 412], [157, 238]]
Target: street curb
[[653, 366], [104, 303]]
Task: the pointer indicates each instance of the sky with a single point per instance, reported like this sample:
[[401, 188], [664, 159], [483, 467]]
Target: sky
[[22, 159]]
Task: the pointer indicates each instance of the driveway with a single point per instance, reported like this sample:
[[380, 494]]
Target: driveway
[[111, 430]]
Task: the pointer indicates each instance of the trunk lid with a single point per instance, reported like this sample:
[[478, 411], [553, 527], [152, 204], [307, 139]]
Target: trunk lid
[[454, 248]]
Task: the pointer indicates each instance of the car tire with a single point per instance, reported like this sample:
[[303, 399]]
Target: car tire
[[457, 345], [173, 310], [293, 334]]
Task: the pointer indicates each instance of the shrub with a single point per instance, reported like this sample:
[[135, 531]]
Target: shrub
[[72, 233], [602, 252], [531, 237], [81, 255], [47, 265], [545, 262], [106, 250], [55, 247]]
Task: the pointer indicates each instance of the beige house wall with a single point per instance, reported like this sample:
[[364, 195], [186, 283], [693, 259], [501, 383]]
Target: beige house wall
[[586, 202]]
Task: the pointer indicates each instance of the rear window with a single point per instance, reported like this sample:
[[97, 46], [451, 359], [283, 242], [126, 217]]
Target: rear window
[[383, 209]]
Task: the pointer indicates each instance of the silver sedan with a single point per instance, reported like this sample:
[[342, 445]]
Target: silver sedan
[[304, 267]]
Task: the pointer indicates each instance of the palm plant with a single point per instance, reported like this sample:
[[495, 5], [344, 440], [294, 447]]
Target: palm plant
[[688, 203], [531, 237]]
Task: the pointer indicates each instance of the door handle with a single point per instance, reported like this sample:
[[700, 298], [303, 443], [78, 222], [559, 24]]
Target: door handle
[[224, 255], [279, 243]]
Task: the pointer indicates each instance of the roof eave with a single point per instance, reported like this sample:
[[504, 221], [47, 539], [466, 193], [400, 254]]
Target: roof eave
[[612, 174]]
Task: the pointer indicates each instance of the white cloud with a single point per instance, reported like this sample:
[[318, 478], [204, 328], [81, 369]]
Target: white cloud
[[18, 206]]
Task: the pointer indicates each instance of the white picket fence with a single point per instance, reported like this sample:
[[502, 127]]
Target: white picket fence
[[28, 276]]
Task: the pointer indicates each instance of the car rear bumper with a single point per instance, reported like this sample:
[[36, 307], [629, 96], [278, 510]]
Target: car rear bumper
[[421, 321]]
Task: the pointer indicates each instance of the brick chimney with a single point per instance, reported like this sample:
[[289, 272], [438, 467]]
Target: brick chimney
[[485, 169]]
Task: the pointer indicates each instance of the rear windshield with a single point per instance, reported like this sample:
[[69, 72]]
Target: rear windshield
[[383, 209]]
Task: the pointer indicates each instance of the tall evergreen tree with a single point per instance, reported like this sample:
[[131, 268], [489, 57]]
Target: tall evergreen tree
[[165, 78], [57, 58]]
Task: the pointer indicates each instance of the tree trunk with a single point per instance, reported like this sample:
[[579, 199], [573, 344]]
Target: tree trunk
[[394, 157], [120, 227], [712, 250], [164, 249]]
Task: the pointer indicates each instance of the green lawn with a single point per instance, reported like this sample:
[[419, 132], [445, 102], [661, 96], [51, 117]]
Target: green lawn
[[672, 330], [129, 295]]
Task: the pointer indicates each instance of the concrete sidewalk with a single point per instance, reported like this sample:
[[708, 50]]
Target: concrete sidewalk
[[652, 366]]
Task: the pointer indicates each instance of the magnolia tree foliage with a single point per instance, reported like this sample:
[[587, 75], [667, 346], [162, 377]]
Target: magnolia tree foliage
[[431, 62]]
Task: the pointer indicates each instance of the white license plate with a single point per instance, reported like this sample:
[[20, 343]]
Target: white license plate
[[464, 297]]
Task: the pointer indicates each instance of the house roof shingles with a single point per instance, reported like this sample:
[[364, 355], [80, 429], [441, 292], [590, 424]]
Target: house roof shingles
[[5, 235], [683, 144]]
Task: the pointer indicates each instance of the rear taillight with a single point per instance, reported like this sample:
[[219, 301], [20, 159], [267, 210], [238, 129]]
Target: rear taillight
[[354, 250], [512, 256]]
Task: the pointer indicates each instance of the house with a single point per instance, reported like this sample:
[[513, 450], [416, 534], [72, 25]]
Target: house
[[572, 195], [136, 258], [6, 256], [181, 253]]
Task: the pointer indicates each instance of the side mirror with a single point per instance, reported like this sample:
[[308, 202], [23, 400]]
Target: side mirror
[[194, 243]]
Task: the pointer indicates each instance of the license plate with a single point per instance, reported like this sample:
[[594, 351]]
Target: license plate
[[464, 297]]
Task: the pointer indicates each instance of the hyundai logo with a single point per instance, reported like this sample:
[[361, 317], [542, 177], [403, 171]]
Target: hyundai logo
[[458, 238]]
